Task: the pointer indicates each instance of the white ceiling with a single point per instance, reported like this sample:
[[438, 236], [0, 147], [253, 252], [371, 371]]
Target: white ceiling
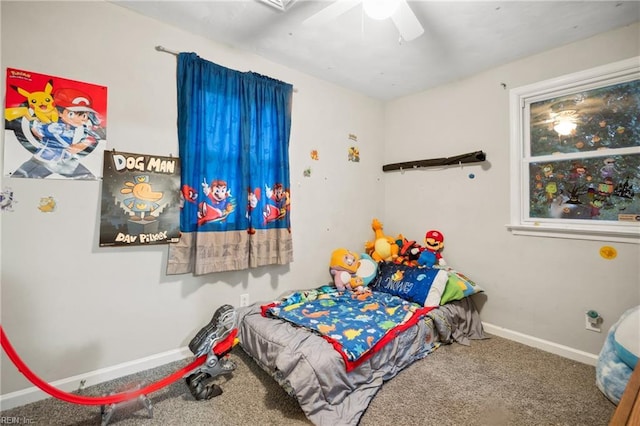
[[461, 38]]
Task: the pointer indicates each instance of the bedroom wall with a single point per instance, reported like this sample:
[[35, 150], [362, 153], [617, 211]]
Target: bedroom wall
[[70, 307], [537, 289]]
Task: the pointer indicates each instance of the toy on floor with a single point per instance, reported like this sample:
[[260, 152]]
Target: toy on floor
[[215, 340], [343, 267], [383, 248], [106, 411], [434, 244]]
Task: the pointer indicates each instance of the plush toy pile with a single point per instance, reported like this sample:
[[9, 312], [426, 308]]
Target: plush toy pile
[[401, 267], [352, 271]]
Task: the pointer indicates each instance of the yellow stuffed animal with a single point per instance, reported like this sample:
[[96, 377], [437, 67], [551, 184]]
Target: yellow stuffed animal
[[383, 247], [343, 267]]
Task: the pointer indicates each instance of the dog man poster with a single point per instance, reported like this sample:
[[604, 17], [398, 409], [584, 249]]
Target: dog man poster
[[55, 128], [140, 199]]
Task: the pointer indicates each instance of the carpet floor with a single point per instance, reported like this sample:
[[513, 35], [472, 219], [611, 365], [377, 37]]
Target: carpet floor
[[493, 382]]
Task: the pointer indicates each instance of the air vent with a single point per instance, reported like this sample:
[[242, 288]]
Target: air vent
[[281, 5]]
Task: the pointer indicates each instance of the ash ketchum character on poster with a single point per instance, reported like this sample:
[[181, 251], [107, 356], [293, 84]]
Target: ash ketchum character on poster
[[61, 143]]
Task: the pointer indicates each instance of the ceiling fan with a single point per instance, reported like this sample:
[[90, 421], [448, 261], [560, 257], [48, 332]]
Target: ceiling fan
[[398, 10]]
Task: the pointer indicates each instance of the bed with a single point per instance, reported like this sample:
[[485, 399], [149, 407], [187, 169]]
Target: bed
[[332, 381]]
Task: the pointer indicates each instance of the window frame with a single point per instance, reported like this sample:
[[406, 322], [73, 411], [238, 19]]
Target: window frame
[[520, 100]]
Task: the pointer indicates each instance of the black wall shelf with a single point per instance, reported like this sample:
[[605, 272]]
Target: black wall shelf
[[472, 157]]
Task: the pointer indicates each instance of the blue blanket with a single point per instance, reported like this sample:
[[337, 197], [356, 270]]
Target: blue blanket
[[356, 324]]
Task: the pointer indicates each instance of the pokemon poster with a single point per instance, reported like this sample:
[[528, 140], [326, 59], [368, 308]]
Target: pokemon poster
[[140, 199], [55, 128]]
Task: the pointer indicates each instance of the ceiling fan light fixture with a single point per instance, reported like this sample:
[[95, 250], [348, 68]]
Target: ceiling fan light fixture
[[565, 122], [564, 127], [380, 9]]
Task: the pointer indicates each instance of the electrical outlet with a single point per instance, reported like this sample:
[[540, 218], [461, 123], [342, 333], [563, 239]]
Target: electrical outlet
[[244, 299], [591, 326]]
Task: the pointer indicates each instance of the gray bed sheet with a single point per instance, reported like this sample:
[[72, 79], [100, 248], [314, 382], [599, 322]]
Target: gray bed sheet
[[313, 372]]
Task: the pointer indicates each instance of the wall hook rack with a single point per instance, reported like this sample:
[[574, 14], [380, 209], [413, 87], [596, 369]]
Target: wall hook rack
[[472, 157]]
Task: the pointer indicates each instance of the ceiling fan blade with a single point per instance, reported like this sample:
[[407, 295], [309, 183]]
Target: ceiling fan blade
[[407, 22], [331, 12]]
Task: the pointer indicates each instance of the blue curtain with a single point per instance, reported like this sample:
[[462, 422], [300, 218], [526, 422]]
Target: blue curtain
[[233, 134]]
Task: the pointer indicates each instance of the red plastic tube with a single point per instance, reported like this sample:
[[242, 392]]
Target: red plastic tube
[[92, 400]]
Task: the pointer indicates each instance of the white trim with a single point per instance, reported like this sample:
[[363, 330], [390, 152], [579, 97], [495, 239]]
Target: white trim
[[632, 236], [545, 345], [72, 384], [580, 155], [616, 71], [623, 230]]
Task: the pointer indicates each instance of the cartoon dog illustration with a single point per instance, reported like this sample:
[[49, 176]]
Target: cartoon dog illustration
[[144, 198]]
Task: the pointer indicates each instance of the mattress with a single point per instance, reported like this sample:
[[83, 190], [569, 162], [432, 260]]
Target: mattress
[[309, 368]]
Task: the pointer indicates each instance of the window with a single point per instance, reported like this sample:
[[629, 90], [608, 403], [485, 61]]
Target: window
[[575, 152]]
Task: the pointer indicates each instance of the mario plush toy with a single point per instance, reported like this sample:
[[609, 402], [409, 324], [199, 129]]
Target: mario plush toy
[[434, 243]]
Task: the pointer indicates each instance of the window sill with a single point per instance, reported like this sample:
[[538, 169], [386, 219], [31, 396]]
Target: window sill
[[631, 235]]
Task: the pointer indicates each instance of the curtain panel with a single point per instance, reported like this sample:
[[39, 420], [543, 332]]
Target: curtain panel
[[233, 135]]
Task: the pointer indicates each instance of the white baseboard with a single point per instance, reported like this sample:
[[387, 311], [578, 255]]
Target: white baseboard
[[72, 384], [545, 345]]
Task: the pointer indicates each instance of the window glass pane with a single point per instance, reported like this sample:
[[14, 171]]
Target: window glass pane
[[586, 121], [596, 188]]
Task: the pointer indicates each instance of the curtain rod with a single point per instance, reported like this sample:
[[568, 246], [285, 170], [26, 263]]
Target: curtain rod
[[165, 50], [175, 53]]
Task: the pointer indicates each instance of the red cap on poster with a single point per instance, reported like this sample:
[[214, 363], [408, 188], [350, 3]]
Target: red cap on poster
[[73, 100]]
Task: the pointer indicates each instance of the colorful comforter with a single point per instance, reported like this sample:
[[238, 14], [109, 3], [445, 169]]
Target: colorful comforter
[[307, 366], [357, 325]]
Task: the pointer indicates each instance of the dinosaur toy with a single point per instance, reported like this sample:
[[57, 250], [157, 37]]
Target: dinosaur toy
[[383, 248]]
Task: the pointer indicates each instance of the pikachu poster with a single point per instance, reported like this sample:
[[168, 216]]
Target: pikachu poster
[[140, 199], [55, 128]]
